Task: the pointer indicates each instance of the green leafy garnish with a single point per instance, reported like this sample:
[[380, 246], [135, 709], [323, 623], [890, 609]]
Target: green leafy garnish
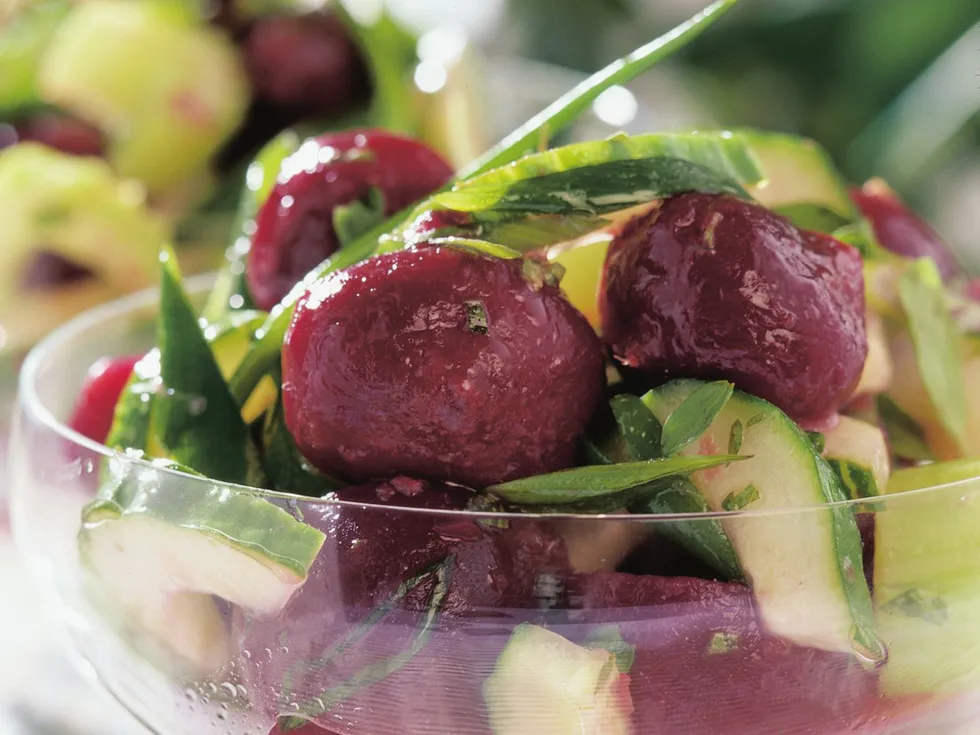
[[131, 421], [584, 484], [638, 426], [563, 111], [741, 499], [812, 217], [533, 233], [606, 175], [195, 418], [936, 345], [350, 221], [705, 538], [608, 638], [379, 671], [914, 604], [722, 642], [757, 419], [861, 235], [735, 437], [691, 419]]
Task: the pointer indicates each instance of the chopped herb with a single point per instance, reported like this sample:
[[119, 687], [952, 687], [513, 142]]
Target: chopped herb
[[739, 500], [538, 275], [735, 438], [722, 642], [692, 418], [350, 221], [757, 419], [609, 638], [487, 504], [638, 427], [912, 603], [907, 438], [476, 317], [818, 440]]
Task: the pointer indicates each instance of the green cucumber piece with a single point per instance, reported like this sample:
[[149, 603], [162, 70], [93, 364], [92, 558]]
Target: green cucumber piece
[[800, 172], [546, 684], [858, 453], [805, 567], [927, 580], [158, 546], [164, 120]]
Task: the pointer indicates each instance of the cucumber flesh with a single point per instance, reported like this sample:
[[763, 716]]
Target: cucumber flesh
[[805, 567], [158, 551], [547, 685], [798, 171], [858, 453], [927, 581]]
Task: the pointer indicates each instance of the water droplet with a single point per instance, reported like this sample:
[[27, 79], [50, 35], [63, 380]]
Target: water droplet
[[190, 694], [246, 655], [230, 688], [212, 687], [242, 691], [222, 715]]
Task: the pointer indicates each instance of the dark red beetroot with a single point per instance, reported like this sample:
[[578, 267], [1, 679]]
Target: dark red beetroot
[[442, 364], [899, 229], [703, 664], [493, 575], [718, 288], [306, 62], [62, 133], [96, 403], [294, 228], [47, 270]]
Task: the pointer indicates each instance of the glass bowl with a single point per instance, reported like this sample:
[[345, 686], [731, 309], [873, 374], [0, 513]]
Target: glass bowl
[[193, 610]]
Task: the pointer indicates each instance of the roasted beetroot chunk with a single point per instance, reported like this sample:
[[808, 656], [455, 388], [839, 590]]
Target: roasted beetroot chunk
[[718, 288], [96, 402], [439, 363], [294, 229], [305, 62], [704, 664], [899, 229], [63, 133], [495, 580]]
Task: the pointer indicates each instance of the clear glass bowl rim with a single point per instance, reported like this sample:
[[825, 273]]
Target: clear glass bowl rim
[[30, 402]]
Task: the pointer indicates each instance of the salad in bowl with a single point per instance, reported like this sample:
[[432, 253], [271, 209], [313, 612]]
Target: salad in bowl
[[672, 432]]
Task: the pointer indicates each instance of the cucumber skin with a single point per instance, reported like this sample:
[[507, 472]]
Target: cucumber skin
[[846, 537]]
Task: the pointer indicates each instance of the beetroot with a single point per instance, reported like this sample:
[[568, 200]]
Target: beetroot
[[703, 663], [306, 62], [715, 287], [48, 270], [62, 133], [900, 230], [294, 228], [96, 402], [495, 579], [442, 364]]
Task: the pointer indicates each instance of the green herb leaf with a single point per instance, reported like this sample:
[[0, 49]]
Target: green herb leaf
[[195, 417], [606, 175], [914, 604], [584, 484], [812, 217], [533, 233], [379, 671], [861, 235], [350, 221], [692, 418], [705, 538], [906, 437], [741, 499], [131, 421], [567, 108], [638, 426], [936, 345], [609, 638], [722, 642], [735, 438], [757, 419]]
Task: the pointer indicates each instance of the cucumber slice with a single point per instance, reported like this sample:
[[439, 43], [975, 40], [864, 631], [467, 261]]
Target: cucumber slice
[[547, 685], [858, 453], [804, 567], [158, 547], [927, 581], [798, 172]]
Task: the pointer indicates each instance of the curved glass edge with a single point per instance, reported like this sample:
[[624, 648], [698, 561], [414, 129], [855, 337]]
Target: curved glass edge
[[31, 403]]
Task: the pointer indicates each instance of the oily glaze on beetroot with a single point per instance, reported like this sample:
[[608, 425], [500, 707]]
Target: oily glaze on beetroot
[[686, 679], [717, 288], [439, 363], [900, 230], [495, 580], [294, 229]]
